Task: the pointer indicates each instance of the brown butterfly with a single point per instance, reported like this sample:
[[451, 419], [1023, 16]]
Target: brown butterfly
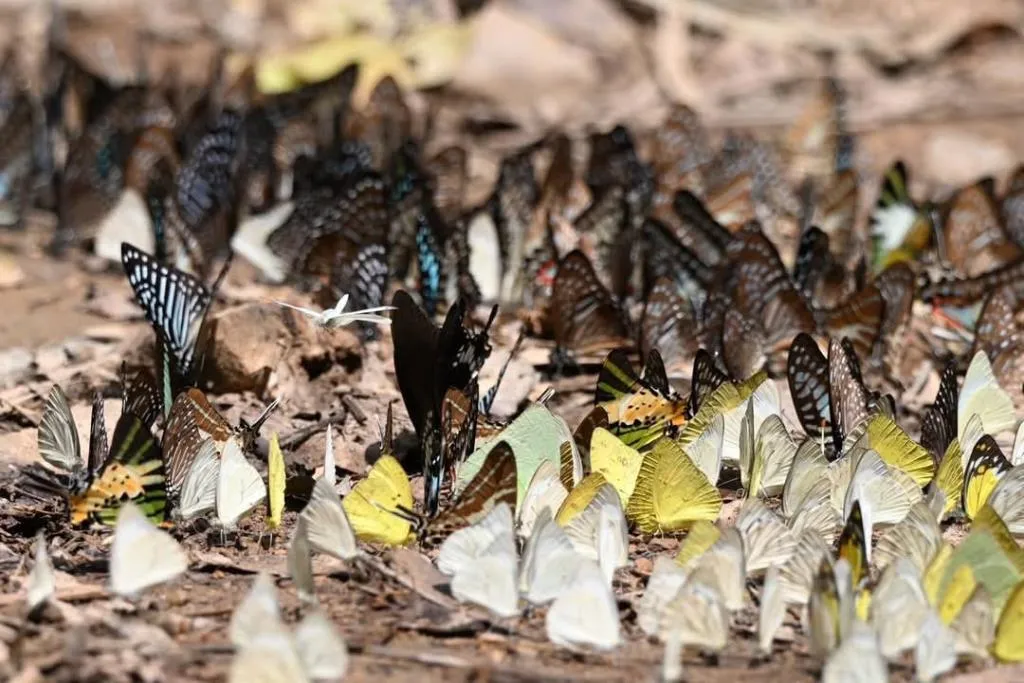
[[582, 313], [493, 484], [192, 420], [448, 168], [385, 123], [974, 239], [669, 325]]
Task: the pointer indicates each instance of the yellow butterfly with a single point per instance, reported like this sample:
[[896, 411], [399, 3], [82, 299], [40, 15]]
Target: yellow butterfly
[[275, 483], [619, 463], [671, 492], [1009, 642], [579, 497], [702, 535], [950, 477], [985, 468], [898, 450], [373, 505]]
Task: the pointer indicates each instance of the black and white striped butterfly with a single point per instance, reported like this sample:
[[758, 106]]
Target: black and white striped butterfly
[[174, 302], [365, 279]]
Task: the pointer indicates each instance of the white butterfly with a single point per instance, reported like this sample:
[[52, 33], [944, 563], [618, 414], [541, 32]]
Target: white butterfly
[[697, 616], [936, 649], [250, 241], [336, 317], [773, 609], [257, 614], [900, 609], [321, 649], [41, 581], [199, 488], [550, 562], [766, 540], [857, 659], [327, 525], [545, 492], [240, 487], [300, 563], [667, 578], [586, 614], [141, 554], [482, 562], [598, 532], [329, 462]]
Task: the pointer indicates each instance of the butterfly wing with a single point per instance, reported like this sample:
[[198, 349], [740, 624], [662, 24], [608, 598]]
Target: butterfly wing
[[58, 437], [133, 472], [174, 303], [808, 378], [582, 312]]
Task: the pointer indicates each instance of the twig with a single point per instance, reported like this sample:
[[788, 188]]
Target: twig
[[302, 433], [354, 408]]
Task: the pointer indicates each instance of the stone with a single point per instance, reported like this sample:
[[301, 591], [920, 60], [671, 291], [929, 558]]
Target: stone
[[247, 343], [15, 366]]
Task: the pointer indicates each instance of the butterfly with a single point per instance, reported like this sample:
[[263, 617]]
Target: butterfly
[[966, 291], [336, 317], [900, 228], [447, 443], [985, 467], [385, 121], [141, 555], [584, 316], [666, 257], [973, 238], [175, 304], [829, 394], [59, 444], [332, 219], [133, 471], [671, 492], [481, 559], [205, 194], [853, 544], [456, 352], [639, 412], [668, 325], [364, 278], [586, 614], [1010, 628], [493, 484], [1011, 208], [374, 504], [191, 421], [605, 237], [512, 205], [449, 168], [679, 150]]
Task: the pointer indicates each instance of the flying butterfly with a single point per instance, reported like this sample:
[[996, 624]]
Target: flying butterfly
[[365, 279]]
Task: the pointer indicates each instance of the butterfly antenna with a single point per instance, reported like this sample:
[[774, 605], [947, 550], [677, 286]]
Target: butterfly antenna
[[487, 400], [387, 439]]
